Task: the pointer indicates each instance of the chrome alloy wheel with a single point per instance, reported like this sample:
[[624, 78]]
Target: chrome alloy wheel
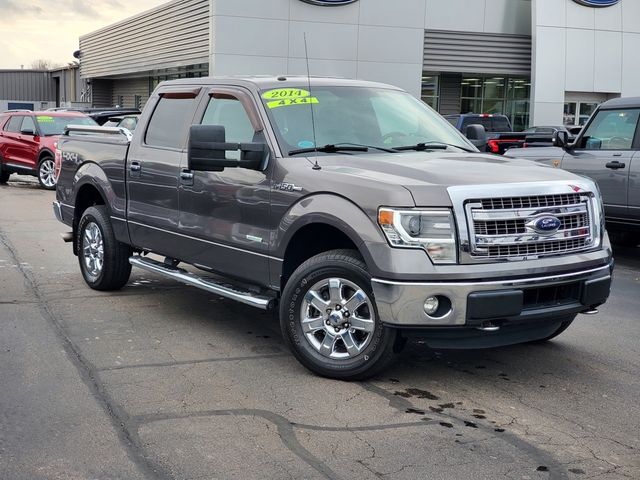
[[93, 249], [47, 173], [337, 318]]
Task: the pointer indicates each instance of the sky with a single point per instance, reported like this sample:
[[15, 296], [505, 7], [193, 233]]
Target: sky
[[49, 29]]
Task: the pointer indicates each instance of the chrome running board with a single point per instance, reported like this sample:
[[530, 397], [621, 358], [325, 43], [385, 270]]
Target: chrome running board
[[226, 290]]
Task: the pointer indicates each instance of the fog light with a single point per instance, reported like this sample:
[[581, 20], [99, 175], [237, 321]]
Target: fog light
[[431, 305]]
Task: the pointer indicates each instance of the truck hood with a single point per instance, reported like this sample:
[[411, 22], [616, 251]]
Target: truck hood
[[427, 175]]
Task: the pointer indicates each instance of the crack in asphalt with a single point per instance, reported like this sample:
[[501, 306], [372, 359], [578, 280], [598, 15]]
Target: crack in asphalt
[[192, 362], [117, 416], [284, 426]]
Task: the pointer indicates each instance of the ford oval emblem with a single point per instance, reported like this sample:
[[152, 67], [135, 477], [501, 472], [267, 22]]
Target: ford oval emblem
[[546, 224], [329, 3], [597, 3]]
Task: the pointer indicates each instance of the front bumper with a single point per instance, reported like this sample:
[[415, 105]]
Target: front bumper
[[496, 302]]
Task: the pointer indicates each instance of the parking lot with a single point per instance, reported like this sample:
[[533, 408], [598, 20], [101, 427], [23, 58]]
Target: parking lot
[[164, 381]]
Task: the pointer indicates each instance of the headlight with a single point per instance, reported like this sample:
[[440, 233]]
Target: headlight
[[433, 230]]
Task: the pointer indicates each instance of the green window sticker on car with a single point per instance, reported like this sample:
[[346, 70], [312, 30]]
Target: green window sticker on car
[[285, 93], [287, 102], [44, 118]]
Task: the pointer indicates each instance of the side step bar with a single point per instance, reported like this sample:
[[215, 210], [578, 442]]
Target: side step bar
[[263, 302]]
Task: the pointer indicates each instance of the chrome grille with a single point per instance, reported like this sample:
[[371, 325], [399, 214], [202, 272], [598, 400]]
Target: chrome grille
[[506, 228], [534, 201]]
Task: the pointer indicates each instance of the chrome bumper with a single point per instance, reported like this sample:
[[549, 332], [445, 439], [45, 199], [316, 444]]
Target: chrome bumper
[[401, 303]]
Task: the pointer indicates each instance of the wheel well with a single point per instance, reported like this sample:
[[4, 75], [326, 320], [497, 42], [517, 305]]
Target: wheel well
[[44, 154], [311, 240], [88, 196]]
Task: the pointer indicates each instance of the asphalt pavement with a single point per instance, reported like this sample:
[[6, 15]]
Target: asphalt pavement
[[164, 381]]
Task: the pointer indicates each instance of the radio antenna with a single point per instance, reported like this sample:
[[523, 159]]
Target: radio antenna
[[313, 122]]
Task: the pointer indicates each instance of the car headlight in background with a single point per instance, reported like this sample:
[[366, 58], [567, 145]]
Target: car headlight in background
[[432, 230]]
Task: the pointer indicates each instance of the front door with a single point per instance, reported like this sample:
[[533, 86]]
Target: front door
[[153, 171], [604, 153], [224, 216]]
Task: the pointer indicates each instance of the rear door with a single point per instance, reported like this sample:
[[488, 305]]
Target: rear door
[[153, 170], [224, 216], [604, 153]]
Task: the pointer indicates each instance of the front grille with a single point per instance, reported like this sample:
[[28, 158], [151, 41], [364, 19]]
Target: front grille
[[505, 227], [541, 248], [513, 227], [534, 201]]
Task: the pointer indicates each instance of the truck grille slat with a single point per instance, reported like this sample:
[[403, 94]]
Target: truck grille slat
[[505, 227]]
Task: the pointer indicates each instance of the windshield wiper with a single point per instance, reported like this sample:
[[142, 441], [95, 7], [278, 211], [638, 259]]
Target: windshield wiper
[[431, 146], [382, 149], [329, 149]]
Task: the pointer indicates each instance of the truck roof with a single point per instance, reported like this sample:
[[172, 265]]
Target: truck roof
[[267, 81], [625, 102]]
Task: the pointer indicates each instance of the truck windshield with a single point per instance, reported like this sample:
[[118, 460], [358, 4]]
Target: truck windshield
[[51, 125], [374, 117]]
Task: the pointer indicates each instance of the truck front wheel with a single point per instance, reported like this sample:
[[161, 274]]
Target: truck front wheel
[[329, 318], [104, 262]]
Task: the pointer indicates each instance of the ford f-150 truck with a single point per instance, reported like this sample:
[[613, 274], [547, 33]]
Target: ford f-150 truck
[[351, 206]]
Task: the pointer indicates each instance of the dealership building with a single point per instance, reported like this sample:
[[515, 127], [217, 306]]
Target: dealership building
[[538, 61]]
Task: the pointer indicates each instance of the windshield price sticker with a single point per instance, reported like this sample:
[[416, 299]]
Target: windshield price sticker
[[285, 93], [287, 102], [45, 118]]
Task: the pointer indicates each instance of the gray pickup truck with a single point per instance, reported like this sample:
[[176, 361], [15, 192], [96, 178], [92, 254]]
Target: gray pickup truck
[[608, 151], [352, 207]]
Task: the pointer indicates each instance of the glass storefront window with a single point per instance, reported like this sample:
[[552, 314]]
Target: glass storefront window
[[586, 109], [497, 95], [577, 113], [431, 90]]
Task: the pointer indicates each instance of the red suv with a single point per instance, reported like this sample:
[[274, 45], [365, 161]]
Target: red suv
[[28, 143]]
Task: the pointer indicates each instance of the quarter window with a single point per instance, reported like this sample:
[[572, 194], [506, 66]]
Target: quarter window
[[170, 122], [611, 130], [14, 124]]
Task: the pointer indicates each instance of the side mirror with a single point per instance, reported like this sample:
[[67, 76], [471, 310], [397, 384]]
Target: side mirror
[[207, 150], [561, 139], [478, 136], [28, 131]]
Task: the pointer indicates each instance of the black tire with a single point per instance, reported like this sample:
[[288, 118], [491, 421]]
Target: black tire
[[45, 173], [4, 176], [115, 267], [563, 326], [376, 345]]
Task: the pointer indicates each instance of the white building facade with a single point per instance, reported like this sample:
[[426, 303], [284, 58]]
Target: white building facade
[[538, 61]]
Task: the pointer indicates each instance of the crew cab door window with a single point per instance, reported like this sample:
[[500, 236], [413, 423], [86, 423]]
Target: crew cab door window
[[28, 124], [170, 122], [611, 130], [227, 111]]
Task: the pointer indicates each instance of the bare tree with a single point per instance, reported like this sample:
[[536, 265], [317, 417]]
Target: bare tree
[[42, 64]]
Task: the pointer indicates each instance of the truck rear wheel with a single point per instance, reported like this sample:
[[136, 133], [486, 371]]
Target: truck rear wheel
[[104, 262], [330, 321]]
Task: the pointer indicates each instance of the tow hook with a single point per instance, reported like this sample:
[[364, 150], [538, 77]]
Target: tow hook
[[488, 327], [590, 311]]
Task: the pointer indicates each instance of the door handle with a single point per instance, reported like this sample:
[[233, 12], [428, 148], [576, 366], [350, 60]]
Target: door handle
[[135, 167], [615, 165]]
